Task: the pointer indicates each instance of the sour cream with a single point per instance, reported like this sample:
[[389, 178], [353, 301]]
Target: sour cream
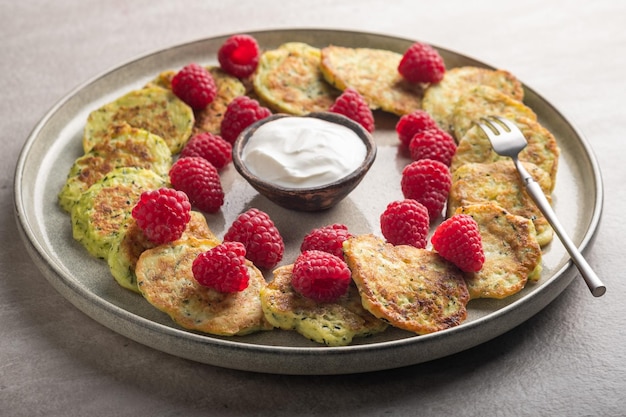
[[303, 152]]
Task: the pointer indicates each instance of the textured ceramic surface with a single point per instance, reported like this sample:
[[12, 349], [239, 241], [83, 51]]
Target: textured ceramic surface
[[55, 143], [307, 199]]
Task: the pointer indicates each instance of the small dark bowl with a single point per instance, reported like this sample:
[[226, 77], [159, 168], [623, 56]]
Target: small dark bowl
[[314, 198]]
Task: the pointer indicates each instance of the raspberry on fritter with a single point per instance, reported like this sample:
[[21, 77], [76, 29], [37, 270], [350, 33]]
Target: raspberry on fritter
[[262, 240], [458, 240], [421, 63], [162, 214], [241, 113], [222, 268], [320, 276], [200, 181], [195, 86], [405, 222], [326, 239], [412, 123], [239, 55], [428, 182], [210, 147], [352, 105], [433, 144]]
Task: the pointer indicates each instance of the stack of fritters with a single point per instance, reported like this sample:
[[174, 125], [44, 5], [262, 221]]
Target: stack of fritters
[[486, 185]]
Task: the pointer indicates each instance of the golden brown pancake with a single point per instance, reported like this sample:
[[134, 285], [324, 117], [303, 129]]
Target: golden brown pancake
[[512, 253], [102, 210], [122, 146], [440, 99], [132, 242], [153, 108], [288, 79], [484, 101], [165, 279], [499, 182], [374, 74], [542, 149], [410, 288], [333, 324]]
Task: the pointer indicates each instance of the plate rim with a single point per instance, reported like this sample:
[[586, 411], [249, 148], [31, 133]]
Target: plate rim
[[117, 315]]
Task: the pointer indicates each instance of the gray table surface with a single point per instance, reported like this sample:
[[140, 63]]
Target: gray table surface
[[568, 360]]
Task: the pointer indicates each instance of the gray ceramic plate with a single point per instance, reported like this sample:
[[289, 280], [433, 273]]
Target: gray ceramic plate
[[56, 142]]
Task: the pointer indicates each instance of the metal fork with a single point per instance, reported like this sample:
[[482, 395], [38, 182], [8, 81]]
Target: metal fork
[[507, 140]]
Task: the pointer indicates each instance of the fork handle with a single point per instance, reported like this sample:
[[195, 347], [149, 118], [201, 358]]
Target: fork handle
[[596, 286]]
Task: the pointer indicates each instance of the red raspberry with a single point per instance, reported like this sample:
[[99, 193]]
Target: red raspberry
[[239, 55], [195, 86], [210, 147], [241, 113], [320, 276], [327, 239], [421, 63], [405, 222], [428, 182], [458, 240], [200, 181], [412, 123], [162, 214], [262, 240], [433, 144], [352, 105], [222, 268]]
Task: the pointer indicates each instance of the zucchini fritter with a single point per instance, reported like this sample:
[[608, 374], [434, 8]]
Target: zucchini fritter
[[102, 210], [288, 79], [333, 324], [374, 74], [512, 253], [499, 182], [484, 101], [440, 99], [154, 109], [122, 146], [165, 279], [410, 288], [542, 149], [126, 250]]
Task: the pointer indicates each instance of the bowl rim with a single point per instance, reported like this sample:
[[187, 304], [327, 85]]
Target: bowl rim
[[364, 135]]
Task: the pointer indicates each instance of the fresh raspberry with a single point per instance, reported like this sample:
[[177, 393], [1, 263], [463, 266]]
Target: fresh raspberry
[[405, 222], [262, 240], [241, 113], [352, 105], [200, 181], [210, 147], [222, 268], [421, 63], [458, 240], [320, 276], [195, 86], [433, 144], [327, 239], [239, 55], [162, 214], [428, 182], [412, 123]]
